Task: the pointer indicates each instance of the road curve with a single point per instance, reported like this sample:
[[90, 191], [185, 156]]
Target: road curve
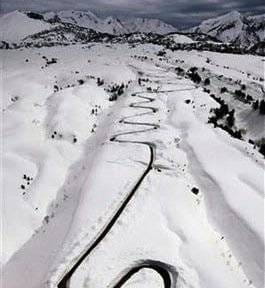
[[167, 272]]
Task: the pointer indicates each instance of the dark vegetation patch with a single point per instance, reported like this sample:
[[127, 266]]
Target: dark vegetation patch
[[100, 81], [195, 190], [207, 82], [80, 81], [26, 182], [34, 15], [116, 90], [161, 53], [260, 144], [224, 118], [56, 36]]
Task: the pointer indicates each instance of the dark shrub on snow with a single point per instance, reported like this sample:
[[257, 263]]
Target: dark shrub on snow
[[34, 15], [231, 118], [223, 89], [100, 82], [262, 149], [207, 81], [262, 107], [255, 105]]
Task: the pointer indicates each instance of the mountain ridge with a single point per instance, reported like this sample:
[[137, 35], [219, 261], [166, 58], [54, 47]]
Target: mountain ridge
[[110, 24], [234, 27]]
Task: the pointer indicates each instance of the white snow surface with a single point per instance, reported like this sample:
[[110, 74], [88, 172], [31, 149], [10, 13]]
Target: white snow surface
[[111, 24], [16, 25], [147, 25], [78, 178], [257, 23], [234, 27], [178, 38]]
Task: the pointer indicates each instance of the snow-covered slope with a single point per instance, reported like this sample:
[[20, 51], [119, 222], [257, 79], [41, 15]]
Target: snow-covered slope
[[196, 191], [257, 23], [234, 27], [148, 25], [110, 24], [179, 38], [17, 25], [88, 20]]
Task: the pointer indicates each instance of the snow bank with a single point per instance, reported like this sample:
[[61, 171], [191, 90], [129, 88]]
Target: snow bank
[[232, 183], [178, 38], [45, 130]]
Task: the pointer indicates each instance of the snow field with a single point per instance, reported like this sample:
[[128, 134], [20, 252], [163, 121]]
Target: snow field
[[213, 238]]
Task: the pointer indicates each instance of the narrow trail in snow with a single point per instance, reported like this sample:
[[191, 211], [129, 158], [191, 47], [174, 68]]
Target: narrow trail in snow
[[166, 271]]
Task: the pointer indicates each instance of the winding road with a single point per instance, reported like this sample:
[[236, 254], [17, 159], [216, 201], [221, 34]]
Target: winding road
[[166, 271]]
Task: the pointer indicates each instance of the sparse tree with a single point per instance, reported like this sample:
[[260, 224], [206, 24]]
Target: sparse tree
[[262, 107], [207, 81]]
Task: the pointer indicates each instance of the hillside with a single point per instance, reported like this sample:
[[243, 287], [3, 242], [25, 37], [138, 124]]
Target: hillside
[[110, 24], [131, 160], [17, 25], [235, 28]]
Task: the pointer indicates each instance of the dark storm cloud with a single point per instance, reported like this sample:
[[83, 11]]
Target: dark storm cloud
[[177, 12]]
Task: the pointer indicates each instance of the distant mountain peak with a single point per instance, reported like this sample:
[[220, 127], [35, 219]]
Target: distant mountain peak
[[234, 13], [112, 25], [233, 27]]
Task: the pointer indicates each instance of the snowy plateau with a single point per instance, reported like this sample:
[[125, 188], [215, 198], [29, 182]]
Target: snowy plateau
[[132, 153]]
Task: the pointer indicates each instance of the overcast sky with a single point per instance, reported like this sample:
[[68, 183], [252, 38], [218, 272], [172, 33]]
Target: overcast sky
[[180, 13]]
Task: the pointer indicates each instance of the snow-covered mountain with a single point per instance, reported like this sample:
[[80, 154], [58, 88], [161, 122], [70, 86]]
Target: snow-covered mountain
[[16, 25], [88, 20], [110, 24], [234, 27], [148, 25], [31, 29], [257, 23]]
